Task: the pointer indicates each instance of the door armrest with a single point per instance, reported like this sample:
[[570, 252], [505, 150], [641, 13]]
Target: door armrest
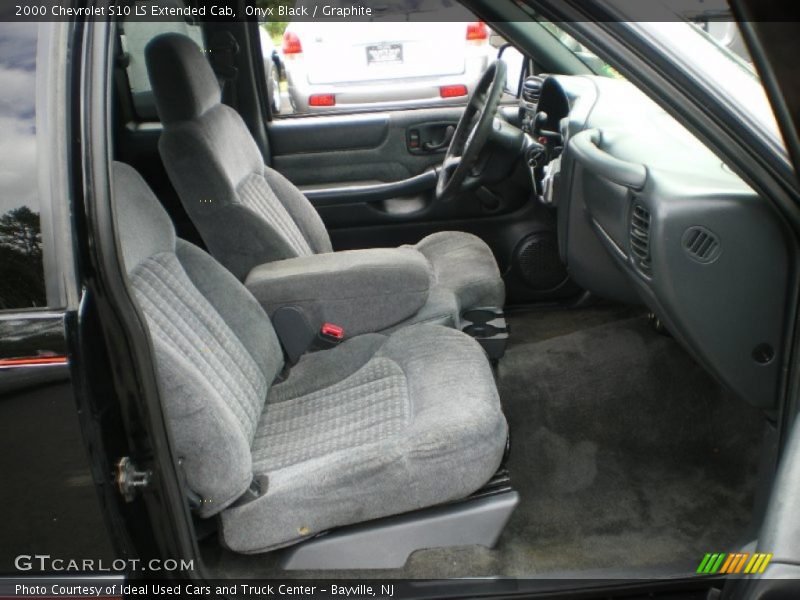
[[354, 194]]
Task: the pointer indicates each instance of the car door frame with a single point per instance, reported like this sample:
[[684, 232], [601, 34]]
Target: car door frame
[[37, 368], [773, 46]]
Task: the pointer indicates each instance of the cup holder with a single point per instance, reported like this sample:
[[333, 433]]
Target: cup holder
[[488, 326], [481, 330], [482, 315]]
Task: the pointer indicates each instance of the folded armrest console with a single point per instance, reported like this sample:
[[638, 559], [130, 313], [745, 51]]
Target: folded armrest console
[[361, 290]]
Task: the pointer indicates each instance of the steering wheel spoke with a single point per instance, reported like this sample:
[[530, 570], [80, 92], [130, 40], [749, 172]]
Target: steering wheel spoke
[[458, 170], [451, 162]]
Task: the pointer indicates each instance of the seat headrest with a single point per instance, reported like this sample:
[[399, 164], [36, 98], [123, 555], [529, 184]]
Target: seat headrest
[[143, 226], [182, 80]]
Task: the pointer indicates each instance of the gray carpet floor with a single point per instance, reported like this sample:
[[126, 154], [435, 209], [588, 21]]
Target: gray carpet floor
[[625, 453]]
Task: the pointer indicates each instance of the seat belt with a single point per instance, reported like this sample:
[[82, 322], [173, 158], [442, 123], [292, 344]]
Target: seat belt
[[297, 336], [223, 50]]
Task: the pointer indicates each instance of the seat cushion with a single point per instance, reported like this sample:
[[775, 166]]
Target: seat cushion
[[464, 264], [378, 426]]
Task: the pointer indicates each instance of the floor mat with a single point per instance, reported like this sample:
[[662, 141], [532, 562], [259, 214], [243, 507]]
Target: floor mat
[[625, 452], [539, 324]]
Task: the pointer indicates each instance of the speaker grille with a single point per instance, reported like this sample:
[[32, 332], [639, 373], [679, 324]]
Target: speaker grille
[[701, 244], [538, 262]]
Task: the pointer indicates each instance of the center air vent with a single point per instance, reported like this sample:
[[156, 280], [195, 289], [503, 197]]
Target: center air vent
[[701, 244], [531, 89], [640, 237]]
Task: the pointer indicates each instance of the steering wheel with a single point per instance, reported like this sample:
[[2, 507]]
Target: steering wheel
[[471, 134]]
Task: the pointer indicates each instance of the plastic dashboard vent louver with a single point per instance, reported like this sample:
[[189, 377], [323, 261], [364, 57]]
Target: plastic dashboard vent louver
[[701, 244], [640, 237]]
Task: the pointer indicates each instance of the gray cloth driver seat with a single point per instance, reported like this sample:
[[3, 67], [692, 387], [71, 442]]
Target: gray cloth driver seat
[[379, 425], [249, 214]]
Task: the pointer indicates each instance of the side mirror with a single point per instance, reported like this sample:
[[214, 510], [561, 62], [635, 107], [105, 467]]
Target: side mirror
[[515, 66]]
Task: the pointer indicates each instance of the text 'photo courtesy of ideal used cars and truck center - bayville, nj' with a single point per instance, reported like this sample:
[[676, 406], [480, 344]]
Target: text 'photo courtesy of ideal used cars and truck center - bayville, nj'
[[400, 299]]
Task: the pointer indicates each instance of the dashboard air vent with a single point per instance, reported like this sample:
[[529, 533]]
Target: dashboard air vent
[[701, 244], [640, 236], [531, 89]]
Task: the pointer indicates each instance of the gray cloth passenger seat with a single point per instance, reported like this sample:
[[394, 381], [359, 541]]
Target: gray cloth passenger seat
[[377, 426], [249, 214]]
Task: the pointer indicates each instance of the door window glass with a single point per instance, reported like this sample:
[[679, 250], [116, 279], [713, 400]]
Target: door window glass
[[21, 267]]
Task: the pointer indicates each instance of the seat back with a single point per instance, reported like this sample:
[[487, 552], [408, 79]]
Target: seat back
[[247, 213], [215, 349]]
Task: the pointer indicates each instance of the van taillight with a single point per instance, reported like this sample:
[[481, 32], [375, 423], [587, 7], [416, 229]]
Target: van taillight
[[477, 31], [452, 91], [291, 43], [322, 100]]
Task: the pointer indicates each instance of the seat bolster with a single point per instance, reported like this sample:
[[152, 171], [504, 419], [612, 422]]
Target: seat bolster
[[361, 290], [216, 458], [448, 374], [238, 308], [301, 210], [144, 226], [452, 445]]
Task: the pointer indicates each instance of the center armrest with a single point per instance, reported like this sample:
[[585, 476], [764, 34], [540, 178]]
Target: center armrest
[[361, 290]]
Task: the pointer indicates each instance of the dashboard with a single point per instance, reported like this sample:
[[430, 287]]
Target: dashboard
[[647, 214]]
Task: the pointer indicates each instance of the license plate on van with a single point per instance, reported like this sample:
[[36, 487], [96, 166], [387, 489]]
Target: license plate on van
[[385, 53]]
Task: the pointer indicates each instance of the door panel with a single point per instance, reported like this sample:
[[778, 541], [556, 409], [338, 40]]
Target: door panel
[[309, 135], [317, 151], [378, 148]]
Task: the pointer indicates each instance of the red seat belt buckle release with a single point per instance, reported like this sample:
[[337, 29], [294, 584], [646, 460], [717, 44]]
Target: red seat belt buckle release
[[332, 332]]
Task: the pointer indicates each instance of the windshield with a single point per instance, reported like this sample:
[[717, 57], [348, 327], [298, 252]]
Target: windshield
[[586, 56], [708, 46], [710, 60]]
